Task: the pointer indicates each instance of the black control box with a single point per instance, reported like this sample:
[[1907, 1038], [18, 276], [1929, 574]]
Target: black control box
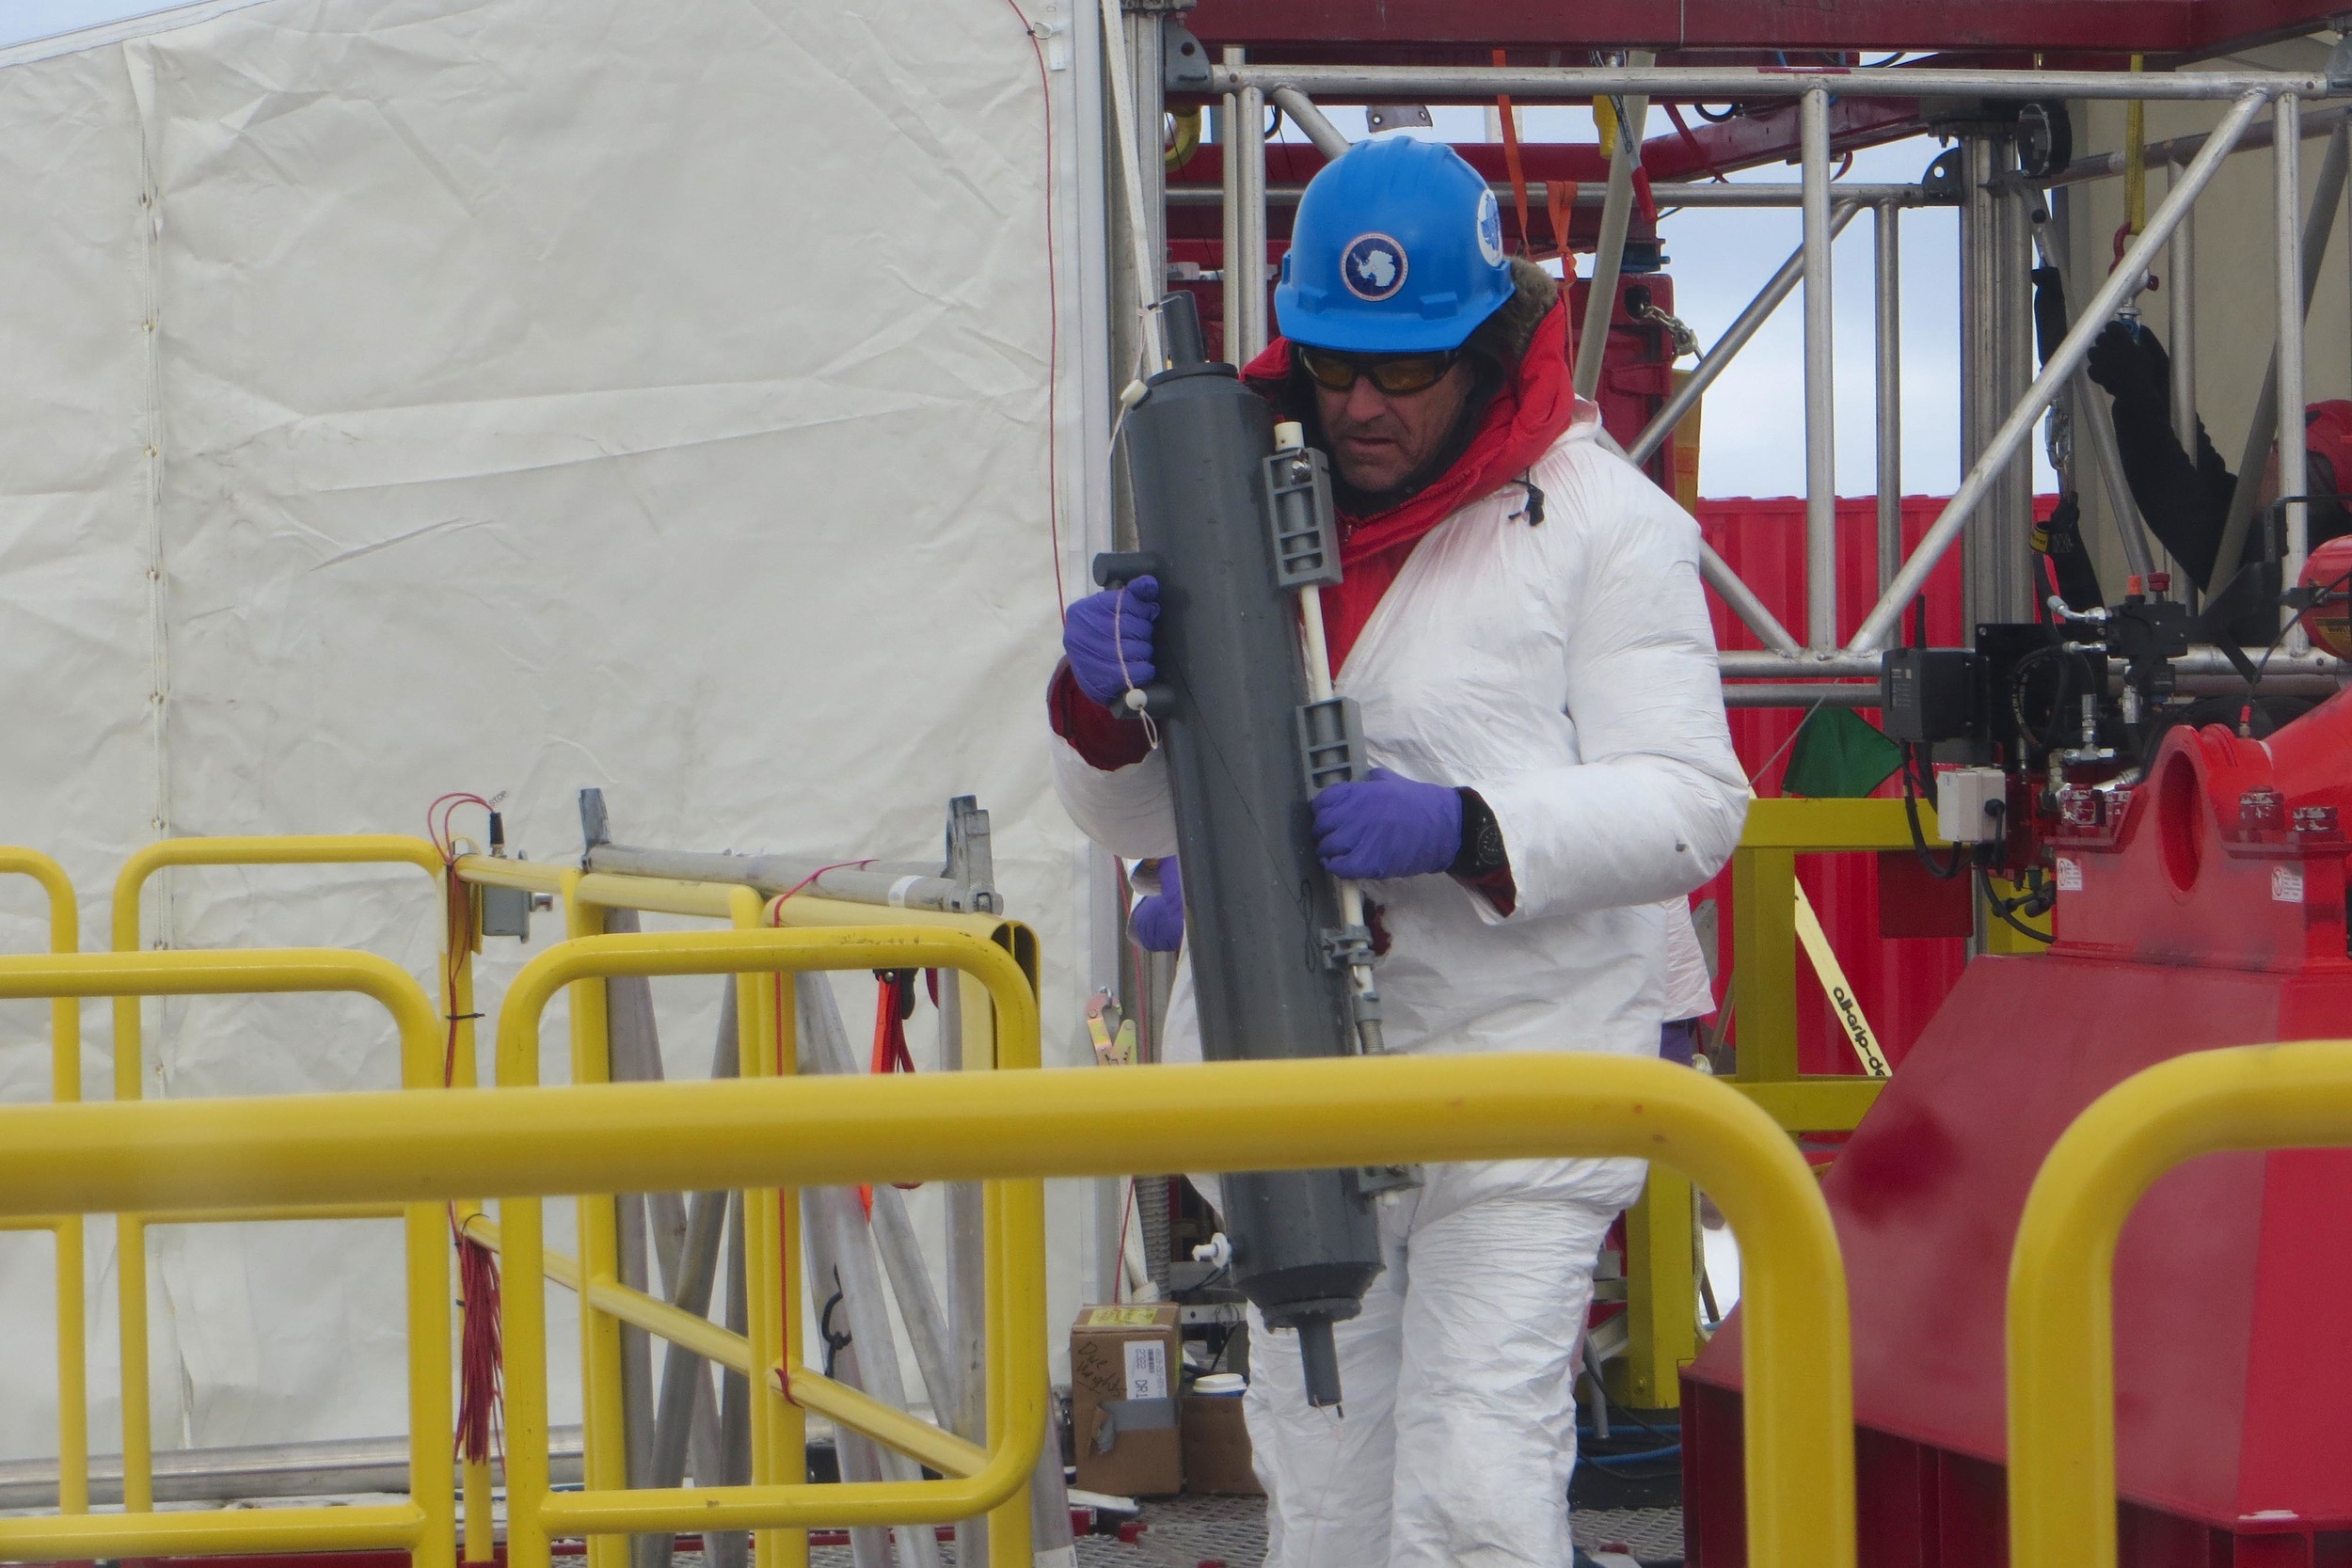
[[1927, 695]]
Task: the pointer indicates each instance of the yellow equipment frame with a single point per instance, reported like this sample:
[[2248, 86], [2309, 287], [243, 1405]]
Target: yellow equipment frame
[[2061, 1282], [425, 1525], [1012, 1128], [783, 1388]]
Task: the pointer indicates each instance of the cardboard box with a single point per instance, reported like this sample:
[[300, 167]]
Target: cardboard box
[[1216, 1448], [1123, 1410]]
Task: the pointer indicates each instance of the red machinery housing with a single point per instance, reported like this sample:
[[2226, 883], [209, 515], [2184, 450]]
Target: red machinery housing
[[2204, 908]]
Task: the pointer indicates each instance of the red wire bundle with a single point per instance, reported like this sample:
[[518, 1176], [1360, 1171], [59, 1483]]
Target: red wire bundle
[[480, 1384]]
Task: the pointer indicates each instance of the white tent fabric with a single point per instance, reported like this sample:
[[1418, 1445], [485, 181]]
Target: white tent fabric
[[514, 395]]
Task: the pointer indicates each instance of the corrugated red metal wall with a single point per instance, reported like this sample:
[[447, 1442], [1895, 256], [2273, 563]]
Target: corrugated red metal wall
[[1899, 982]]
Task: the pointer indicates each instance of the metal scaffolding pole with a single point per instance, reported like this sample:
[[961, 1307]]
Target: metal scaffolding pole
[[2318, 229], [1668, 195], [2062, 364], [1246, 335], [1887, 298], [1820, 418], [1616, 215], [1144, 219], [1328, 139], [2286, 161], [1726, 348], [2181, 278]]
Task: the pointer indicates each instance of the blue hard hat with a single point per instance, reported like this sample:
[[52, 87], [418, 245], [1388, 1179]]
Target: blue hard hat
[[1397, 248]]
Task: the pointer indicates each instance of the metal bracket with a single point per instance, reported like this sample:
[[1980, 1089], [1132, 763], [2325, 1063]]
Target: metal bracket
[[1184, 60], [594, 827], [1330, 742], [2339, 67], [1305, 520], [1388, 117], [1348, 947], [971, 863]]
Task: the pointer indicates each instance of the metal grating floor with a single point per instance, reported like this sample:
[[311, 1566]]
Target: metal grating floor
[[1184, 1532]]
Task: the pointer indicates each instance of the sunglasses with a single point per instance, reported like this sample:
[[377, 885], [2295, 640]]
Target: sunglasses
[[1397, 374]]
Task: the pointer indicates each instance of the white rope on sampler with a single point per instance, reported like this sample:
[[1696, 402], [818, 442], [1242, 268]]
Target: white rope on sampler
[[1135, 693]]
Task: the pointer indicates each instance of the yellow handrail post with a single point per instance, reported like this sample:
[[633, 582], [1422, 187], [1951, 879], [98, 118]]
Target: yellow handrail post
[[2061, 1279], [604, 1436], [65, 1087], [139, 1441], [1662, 1292]]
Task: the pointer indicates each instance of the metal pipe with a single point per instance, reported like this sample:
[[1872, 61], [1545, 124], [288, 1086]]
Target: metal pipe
[[1726, 347], [1616, 214], [895, 884], [1820, 418], [967, 1286], [248, 1471], [2090, 416], [1886, 257], [1347, 84], [1228, 233], [2179, 149], [2200, 662], [2095, 419], [1667, 195], [2286, 161], [1328, 139], [2061, 367], [1146, 277], [2181, 261], [2317, 230], [1245, 263], [1803, 694]]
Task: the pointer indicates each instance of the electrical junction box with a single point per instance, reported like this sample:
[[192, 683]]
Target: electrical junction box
[[1928, 694], [1971, 804]]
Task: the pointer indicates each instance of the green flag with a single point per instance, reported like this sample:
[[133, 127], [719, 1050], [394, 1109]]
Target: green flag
[[1839, 754]]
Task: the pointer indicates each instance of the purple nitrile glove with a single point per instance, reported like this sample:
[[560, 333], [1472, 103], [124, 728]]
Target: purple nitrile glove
[[1387, 826], [1158, 922], [1103, 629]]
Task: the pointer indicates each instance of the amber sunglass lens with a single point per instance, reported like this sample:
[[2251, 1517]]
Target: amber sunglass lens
[[1329, 370], [1410, 373]]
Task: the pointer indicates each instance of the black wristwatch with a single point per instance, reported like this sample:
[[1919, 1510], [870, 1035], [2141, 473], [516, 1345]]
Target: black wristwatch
[[1481, 853]]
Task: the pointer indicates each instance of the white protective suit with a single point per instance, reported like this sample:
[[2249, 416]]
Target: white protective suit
[[1566, 672]]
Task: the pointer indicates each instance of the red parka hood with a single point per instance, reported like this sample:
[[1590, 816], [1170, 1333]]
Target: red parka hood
[[1522, 422]]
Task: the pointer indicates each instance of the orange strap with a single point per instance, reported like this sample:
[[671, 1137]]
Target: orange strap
[[1511, 160], [1560, 195]]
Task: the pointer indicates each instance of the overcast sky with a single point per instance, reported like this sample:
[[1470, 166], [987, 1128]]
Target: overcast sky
[[1754, 437]]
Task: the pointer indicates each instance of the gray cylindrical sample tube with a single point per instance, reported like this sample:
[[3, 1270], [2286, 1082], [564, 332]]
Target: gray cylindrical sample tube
[[1256, 901]]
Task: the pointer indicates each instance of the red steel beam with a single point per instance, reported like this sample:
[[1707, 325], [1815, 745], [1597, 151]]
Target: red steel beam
[[1437, 31]]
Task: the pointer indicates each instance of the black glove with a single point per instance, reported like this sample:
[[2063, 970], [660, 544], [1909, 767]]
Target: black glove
[[2060, 539], [2129, 362]]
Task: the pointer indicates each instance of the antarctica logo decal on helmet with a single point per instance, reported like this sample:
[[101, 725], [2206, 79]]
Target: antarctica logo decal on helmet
[[1489, 229], [1373, 266]]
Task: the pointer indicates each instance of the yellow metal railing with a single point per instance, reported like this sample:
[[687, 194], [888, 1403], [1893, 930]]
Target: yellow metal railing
[[2061, 1286], [69, 1231], [138, 1436], [425, 1525], [1012, 1128], [980, 1480], [766, 1047]]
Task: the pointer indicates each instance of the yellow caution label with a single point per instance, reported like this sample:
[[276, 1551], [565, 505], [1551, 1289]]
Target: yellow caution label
[[1842, 998]]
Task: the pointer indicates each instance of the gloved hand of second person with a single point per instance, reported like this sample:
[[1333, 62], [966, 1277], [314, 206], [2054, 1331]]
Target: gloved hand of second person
[[2128, 362], [1158, 922], [1387, 824], [1104, 630]]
